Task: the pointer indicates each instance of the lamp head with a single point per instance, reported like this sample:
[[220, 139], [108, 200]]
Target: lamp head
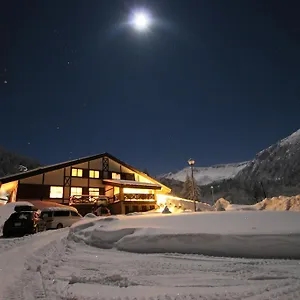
[[191, 162]]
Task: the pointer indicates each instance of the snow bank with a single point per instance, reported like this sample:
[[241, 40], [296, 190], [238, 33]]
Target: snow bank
[[7, 209], [221, 204], [281, 203], [234, 234]]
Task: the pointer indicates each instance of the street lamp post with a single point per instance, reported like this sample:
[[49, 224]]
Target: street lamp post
[[191, 162], [212, 194]]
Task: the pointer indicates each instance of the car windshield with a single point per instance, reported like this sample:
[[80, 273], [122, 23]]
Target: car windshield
[[21, 216]]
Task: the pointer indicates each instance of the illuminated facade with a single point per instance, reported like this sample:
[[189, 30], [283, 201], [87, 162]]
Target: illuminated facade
[[126, 188]]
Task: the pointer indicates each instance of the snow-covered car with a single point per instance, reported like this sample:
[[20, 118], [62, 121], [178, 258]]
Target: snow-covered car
[[56, 217], [23, 222]]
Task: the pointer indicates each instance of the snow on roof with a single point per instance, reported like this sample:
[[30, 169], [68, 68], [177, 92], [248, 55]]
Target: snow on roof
[[59, 208], [47, 204]]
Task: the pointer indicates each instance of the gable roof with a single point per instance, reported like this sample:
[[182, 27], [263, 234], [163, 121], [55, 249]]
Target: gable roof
[[69, 163]]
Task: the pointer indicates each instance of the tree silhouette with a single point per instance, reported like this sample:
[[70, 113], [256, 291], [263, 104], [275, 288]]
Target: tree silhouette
[[190, 191]]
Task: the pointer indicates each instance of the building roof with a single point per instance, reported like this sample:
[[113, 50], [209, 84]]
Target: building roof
[[69, 163]]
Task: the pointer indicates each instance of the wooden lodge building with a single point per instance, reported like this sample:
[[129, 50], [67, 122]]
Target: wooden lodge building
[[126, 188]]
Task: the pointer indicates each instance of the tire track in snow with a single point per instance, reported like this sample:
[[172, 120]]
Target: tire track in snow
[[161, 275], [55, 266], [21, 267]]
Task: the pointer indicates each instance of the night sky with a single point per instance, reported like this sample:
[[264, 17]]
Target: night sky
[[217, 81]]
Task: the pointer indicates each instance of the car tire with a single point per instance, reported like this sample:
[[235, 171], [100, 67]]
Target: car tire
[[59, 226]]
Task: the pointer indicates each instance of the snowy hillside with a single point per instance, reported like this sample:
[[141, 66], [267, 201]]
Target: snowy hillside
[[279, 163], [207, 175], [273, 172], [292, 139]]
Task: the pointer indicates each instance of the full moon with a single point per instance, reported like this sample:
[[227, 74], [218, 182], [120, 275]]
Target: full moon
[[141, 21]]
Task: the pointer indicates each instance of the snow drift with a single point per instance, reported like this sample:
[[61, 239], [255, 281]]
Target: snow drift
[[281, 203], [234, 234]]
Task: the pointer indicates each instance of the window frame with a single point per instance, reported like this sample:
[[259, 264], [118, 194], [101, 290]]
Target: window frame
[[92, 174], [77, 172], [76, 194], [118, 177], [64, 213], [91, 193], [74, 214], [56, 193]]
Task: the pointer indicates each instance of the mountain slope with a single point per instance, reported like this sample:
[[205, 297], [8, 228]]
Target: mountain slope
[[279, 163], [11, 163], [273, 172], [207, 175]]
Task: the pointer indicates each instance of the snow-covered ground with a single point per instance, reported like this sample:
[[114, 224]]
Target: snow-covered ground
[[85, 262], [207, 175], [237, 234]]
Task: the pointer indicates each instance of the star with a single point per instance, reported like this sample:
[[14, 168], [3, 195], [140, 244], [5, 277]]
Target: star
[[5, 81], [28, 143], [57, 127]]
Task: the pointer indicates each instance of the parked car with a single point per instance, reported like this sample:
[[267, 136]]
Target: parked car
[[25, 220], [56, 217]]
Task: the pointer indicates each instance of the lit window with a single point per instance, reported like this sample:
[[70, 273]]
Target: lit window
[[77, 172], [76, 191], [94, 174], [116, 176], [116, 190], [56, 191], [94, 191]]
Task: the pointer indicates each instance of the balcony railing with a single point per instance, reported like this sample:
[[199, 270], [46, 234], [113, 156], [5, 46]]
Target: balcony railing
[[88, 199]]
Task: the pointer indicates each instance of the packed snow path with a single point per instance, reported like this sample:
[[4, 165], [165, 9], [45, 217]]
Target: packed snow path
[[20, 264], [49, 266]]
